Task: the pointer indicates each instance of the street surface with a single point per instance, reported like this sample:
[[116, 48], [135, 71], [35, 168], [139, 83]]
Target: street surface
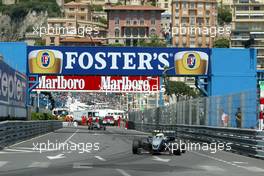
[[115, 158]]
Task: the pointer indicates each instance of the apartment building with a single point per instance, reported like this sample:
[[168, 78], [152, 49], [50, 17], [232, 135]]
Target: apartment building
[[247, 23], [129, 25], [193, 22], [164, 4], [9, 2], [76, 27]]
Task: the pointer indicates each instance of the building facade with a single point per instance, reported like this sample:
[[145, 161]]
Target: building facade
[[164, 4], [193, 22], [76, 28], [248, 23], [129, 25]]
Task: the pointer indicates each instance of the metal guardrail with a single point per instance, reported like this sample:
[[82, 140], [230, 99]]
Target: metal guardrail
[[243, 141], [14, 131]]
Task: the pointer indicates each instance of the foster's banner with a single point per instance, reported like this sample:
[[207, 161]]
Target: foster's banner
[[132, 84], [125, 61]]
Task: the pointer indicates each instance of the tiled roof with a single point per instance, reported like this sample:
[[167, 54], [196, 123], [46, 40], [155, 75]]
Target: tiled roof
[[133, 7]]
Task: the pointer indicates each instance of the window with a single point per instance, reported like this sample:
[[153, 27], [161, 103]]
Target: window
[[128, 21], [256, 8], [117, 32], [200, 5], [135, 32], [52, 40], [116, 21], [192, 21], [152, 32], [128, 32], [192, 5], [71, 9], [166, 5], [82, 18], [176, 5], [82, 9], [141, 21], [142, 32], [135, 22], [184, 5], [153, 22]]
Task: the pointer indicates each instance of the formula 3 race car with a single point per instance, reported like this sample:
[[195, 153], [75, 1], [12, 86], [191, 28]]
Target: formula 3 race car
[[157, 144], [96, 126]]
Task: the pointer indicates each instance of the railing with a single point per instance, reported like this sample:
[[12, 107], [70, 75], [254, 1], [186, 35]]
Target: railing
[[14, 131]]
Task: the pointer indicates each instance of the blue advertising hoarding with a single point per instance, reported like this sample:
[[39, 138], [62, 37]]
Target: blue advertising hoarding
[[124, 61], [12, 86]]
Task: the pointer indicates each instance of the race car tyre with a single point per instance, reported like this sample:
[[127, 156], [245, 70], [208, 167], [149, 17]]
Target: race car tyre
[[135, 147], [177, 152], [183, 150]]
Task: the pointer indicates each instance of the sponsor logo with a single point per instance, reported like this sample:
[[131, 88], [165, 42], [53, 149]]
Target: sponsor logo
[[45, 59], [60, 83], [191, 60], [124, 84]]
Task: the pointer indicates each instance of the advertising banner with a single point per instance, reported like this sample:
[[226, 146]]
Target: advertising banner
[[12, 86], [118, 61], [132, 84]]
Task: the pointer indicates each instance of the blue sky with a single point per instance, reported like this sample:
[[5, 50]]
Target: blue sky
[[14, 54]]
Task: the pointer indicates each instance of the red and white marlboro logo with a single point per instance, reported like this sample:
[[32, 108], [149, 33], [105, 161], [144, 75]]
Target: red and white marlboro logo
[[98, 83]]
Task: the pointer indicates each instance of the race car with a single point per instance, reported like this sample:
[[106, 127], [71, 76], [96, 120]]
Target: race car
[[96, 126], [159, 143]]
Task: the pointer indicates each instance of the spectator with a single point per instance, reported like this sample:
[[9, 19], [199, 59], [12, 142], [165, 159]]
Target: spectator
[[261, 120], [225, 119], [238, 118]]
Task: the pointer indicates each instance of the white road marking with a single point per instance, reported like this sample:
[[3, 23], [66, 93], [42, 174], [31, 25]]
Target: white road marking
[[2, 163], [121, 171], [248, 168], [40, 164], [160, 159], [70, 137], [240, 162], [217, 159], [59, 156], [100, 158], [254, 169], [82, 165], [212, 168], [17, 150]]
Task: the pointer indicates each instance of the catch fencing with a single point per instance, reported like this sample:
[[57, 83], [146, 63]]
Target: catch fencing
[[218, 111]]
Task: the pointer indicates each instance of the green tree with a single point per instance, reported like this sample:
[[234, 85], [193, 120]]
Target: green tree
[[221, 43], [224, 15], [154, 41], [179, 89]]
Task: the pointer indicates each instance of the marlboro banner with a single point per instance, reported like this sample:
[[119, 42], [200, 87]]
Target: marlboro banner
[[132, 84]]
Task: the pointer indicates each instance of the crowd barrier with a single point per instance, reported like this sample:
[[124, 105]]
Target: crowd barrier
[[12, 132], [243, 141]]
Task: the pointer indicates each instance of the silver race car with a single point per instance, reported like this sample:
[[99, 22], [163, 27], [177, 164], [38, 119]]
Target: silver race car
[[159, 143]]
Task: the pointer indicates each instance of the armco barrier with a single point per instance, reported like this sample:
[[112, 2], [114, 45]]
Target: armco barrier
[[243, 141], [14, 131]]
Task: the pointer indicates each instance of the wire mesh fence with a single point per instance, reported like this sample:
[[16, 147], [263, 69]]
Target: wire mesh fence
[[237, 110]]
